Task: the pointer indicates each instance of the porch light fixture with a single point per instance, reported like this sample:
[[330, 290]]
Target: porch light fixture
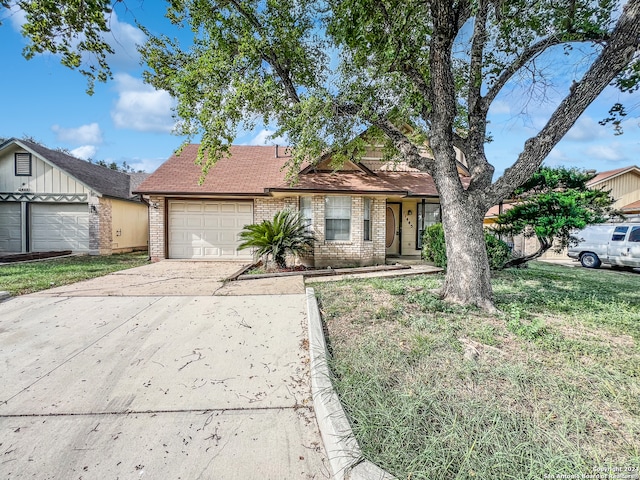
[[410, 212]]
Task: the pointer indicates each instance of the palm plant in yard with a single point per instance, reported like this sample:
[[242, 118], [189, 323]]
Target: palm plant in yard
[[286, 233]]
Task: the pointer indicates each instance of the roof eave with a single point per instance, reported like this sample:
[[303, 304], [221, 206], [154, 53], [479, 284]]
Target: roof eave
[[402, 193], [196, 194]]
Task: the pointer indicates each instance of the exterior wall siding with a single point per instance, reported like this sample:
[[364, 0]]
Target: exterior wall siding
[[266, 208], [43, 179], [129, 226], [625, 189], [354, 252]]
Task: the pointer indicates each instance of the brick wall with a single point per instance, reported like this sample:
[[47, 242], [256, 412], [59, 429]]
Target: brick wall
[[355, 251], [105, 234], [94, 226], [266, 208], [156, 228]]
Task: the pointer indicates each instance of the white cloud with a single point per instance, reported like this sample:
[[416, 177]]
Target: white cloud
[[500, 107], [613, 152], [85, 152], [141, 107], [90, 133], [17, 17], [263, 138], [586, 128], [124, 38]]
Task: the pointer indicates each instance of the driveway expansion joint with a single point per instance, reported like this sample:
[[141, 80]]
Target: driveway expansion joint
[[155, 412]]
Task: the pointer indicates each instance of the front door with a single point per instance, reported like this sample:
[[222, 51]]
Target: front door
[[392, 225]]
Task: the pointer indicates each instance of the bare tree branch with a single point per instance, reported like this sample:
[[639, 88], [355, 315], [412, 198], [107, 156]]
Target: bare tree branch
[[525, 57], [623, 43]]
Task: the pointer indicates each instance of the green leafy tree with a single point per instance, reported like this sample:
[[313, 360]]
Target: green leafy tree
[[285, 234], [551, 206], [73, 29], [324, 71]]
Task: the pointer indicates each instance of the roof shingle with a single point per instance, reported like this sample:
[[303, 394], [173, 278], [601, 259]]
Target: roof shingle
[[101, 179], [255, 170]]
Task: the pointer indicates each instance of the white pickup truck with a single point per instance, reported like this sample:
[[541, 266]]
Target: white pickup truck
[[613, 244]]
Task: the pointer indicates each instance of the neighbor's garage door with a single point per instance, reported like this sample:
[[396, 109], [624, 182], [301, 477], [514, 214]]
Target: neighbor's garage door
[[208, 229], [10, 227], [56, 226]]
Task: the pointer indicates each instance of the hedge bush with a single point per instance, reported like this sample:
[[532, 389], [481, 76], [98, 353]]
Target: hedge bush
[[435, 250]]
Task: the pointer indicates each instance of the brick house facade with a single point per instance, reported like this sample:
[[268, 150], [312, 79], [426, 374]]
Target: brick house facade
[[383, 209]]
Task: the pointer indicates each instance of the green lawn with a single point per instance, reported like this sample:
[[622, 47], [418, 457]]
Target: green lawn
[[549, 387], [30, 277]]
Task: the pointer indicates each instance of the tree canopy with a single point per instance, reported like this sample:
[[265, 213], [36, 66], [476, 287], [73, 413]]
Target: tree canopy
[[323, 71], [550, 206]]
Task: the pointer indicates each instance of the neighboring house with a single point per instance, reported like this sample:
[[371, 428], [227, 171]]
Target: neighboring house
[[361, 214], [51, 201], [624, 186]]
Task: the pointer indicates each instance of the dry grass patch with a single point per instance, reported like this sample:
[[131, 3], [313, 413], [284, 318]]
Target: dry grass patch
[[551, 386]]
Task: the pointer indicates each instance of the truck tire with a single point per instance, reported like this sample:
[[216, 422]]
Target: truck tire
[[590, 260]]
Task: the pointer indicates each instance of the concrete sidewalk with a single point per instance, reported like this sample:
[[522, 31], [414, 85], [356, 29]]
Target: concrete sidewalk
[[155, 386]]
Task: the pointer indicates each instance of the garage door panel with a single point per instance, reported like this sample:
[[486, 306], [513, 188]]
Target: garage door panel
[[177, 207], [59, 227], [228, 222], [245, 208], [211, 222], [211, 207], [208, 229], [229, 208], [10, 229]]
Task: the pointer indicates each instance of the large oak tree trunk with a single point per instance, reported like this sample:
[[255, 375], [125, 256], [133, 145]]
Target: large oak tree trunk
[[468, 277]]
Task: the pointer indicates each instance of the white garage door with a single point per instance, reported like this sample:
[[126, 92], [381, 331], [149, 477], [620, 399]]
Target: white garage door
[[10, 227], [56, 226], [208, 229]]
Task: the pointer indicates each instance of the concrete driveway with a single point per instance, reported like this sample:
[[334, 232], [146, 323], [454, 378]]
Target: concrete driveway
[[118, 378]]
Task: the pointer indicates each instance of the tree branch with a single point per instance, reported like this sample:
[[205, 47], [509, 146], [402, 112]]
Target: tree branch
[[525, 57], [270, 55], [623, 43], [407, 148]]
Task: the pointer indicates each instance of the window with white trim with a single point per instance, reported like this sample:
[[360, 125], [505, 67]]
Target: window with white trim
[[23, 164], [306, 212], [367, 220], [337, 215]]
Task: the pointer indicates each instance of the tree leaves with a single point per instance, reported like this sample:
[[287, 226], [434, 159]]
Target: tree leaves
[[554, 203]]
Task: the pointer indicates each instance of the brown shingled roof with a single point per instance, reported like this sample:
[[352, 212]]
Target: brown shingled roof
[[341, 181], [247, 171], [632, 207], [251, 170]]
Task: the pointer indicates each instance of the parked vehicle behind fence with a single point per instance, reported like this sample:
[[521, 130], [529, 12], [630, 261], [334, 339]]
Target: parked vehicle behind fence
[[612, 244]]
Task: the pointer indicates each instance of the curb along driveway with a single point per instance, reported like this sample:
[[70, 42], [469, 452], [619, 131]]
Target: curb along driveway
[[162, 371]]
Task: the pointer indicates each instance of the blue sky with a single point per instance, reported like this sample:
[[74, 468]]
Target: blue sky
[[126, 120]]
